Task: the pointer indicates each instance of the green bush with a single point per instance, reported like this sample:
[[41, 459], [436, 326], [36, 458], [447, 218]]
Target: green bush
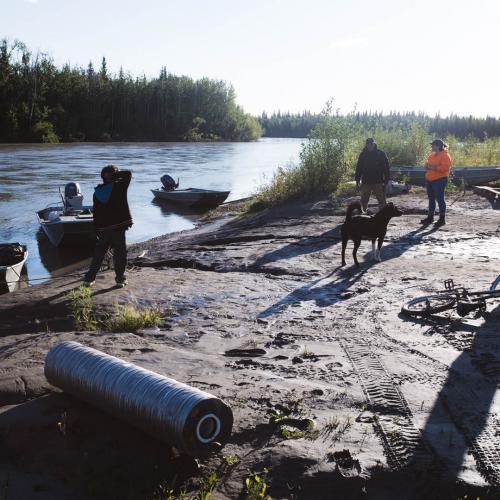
[[325, 160], [328, 158], [472, 152], [44, 132], [244, 127], [404, 147]]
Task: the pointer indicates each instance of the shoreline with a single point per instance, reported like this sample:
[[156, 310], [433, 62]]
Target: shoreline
[[401, 396], [131, 141]]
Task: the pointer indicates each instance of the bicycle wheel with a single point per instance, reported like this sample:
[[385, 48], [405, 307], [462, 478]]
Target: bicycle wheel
[[429, 304]]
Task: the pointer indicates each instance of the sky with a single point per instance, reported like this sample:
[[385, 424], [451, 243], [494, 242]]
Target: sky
[[436, 56]]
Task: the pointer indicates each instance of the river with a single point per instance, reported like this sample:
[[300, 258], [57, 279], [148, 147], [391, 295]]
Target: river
[[31, 174]]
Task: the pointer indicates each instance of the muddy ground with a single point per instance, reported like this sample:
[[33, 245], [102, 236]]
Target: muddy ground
[[403, 408]]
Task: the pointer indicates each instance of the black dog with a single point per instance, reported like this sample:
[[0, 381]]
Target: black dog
[[366, 227]]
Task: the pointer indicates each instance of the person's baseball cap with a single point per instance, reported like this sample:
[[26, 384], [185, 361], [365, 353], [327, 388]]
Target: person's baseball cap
[[438, 142], [370, 140]]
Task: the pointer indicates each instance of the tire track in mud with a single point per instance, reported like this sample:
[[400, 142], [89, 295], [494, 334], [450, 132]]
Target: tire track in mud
[[402, 440], [484, 359], [464, 405], [484, 442]]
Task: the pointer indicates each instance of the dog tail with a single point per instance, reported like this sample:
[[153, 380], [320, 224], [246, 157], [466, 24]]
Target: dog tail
[[355, 205]]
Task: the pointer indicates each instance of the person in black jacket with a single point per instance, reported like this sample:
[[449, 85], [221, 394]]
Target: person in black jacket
[[372, 174], [111, 219]]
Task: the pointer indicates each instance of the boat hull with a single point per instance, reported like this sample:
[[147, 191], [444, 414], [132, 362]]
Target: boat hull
[[470, 175], [9, 275], [67, 230], [192, 198]]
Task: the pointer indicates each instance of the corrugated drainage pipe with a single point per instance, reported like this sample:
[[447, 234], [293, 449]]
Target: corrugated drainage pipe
[[191, 420]]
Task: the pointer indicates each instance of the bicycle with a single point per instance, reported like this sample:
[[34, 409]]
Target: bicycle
[[460, 298]]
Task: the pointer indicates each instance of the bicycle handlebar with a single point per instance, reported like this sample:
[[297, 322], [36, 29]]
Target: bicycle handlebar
[[495, 284]]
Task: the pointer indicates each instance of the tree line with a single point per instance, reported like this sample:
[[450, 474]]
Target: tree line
[[44, 103], [300, 124]]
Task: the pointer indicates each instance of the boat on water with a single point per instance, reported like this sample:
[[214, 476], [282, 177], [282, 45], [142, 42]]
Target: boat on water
[[471, 176], [191, 197], [69, 221], [12, 259]]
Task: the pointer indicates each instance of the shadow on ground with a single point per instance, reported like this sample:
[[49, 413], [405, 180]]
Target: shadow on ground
[[467, 395], [322, 294], [304, 246], [66, 442]]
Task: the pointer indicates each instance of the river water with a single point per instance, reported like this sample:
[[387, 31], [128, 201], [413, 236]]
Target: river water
[[30, 176]]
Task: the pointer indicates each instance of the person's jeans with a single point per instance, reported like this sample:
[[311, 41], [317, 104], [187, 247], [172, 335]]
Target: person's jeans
[[106, 238], [377, 189], [435, 192]]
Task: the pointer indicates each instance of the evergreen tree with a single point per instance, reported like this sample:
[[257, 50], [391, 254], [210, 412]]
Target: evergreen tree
[[39, 102]]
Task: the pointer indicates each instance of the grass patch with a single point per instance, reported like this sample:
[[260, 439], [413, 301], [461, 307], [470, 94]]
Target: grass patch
[[289, 427], [231, 460], [82, 309], [307, 354], [278, 416], [204, 490], [332, 424], [206, 487], [309, 432], [291, 433], [336, 427], [229, 208], [130, 319], [256, 486], [473, 152]]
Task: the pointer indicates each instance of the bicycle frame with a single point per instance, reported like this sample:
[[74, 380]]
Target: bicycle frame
[[460, 291], [453, 297], [466, 302]]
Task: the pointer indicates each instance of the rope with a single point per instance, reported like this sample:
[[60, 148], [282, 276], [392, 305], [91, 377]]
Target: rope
[[461, 195], [183, 416], [63, 276], [130, 267]]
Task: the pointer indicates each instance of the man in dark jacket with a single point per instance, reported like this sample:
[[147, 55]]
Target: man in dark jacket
[[372, 173], [111, 219]]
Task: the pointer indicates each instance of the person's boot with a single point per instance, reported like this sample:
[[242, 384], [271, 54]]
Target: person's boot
[[428, 220], [121, 283], [440, 222]]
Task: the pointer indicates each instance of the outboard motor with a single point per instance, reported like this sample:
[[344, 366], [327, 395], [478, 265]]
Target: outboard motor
[[168, 183], [73, 198]]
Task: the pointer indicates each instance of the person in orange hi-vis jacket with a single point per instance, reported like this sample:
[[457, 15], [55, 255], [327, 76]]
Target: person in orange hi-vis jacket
[[437, 171]]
